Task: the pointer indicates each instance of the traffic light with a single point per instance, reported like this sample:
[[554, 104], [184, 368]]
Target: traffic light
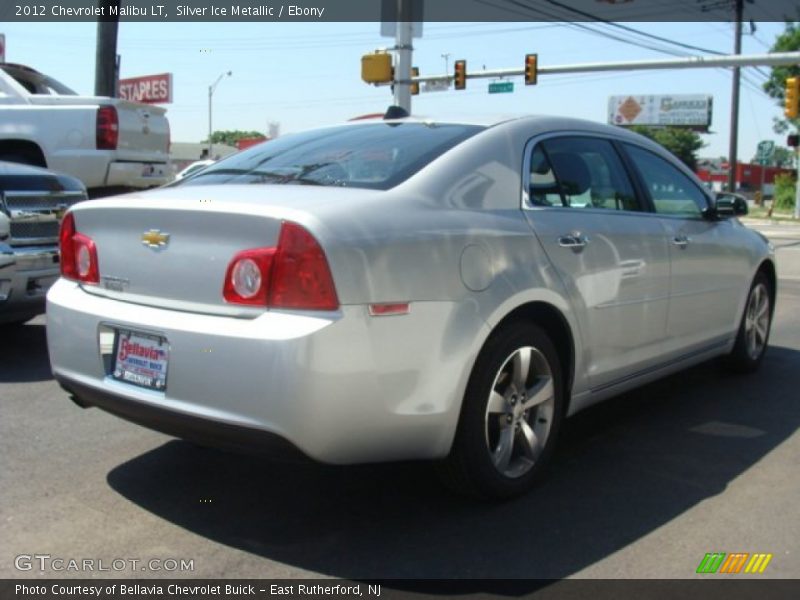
[[414, 84], [460, 75], [793, 140], [376, 68], [792, 97], [531, 70]]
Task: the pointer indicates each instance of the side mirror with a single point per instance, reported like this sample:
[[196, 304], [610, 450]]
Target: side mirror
[[730, 205]]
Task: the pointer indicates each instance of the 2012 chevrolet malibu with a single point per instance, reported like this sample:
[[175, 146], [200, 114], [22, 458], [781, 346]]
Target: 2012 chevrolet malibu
[[406, 289]]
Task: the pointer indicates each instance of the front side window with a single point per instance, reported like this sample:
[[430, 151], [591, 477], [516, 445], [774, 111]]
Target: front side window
[[544, 190], [673, 193], [376, 155], [579, 172]]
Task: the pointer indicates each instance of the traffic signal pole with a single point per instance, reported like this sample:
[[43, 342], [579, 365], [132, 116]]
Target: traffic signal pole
[[691, 62], [797, 184], [791, 110]]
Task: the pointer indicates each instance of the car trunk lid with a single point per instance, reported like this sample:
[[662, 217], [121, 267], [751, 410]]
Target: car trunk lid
[[171, 248]]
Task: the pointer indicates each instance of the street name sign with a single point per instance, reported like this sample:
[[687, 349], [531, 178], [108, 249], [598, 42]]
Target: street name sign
[[501, 87]]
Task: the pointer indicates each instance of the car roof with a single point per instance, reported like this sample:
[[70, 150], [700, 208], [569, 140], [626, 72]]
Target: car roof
[[533, 124], [528, 121]]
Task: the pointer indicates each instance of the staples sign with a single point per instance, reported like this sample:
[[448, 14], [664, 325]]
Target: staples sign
[[151, 89]]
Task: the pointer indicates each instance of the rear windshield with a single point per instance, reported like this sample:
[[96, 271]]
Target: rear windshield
[[376, 155]]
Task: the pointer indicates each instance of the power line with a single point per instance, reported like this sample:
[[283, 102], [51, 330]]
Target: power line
[[576, 25], [630, 29]]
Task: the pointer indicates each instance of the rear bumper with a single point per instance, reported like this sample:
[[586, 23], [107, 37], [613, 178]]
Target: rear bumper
[[202, 431], [103, 168], [341, 387], [137, 174]]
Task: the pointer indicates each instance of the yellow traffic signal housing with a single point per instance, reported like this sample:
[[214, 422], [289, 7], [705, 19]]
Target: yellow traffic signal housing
[[414, 84], [792, 98], [531, 69], [376, 67], [460, 75]]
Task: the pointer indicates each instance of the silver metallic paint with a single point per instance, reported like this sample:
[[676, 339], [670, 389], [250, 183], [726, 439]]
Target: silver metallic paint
[[452, 240]]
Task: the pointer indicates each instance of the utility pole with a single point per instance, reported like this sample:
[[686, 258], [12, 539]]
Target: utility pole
[[105, 73], [402, 71], [734, 141], [211, 89], [446, 56]]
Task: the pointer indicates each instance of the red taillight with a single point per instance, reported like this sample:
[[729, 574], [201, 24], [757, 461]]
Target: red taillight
[[247, 278], [301, 277], [294, 274], [107, 128], [78, 253]]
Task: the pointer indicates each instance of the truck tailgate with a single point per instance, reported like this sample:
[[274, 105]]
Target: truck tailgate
[[143, 128]]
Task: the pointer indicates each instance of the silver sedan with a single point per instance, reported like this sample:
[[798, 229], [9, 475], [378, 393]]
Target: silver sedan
[[406, 289]]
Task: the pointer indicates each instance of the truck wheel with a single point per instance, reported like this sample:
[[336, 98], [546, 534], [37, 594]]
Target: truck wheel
[[512, 411]]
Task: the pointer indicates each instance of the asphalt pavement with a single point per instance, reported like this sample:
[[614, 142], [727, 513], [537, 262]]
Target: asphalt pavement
[[643, 486]]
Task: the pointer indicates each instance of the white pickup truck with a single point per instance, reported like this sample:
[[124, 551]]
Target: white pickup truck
[[104, 142]]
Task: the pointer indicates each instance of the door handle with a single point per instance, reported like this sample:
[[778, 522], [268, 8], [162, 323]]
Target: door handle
[[681, 241], [573, 240]]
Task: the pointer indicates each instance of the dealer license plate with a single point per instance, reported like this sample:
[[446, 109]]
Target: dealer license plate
[[141, 359]]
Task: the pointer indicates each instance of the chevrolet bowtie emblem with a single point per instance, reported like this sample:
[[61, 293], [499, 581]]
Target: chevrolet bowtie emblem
[[155, 239]]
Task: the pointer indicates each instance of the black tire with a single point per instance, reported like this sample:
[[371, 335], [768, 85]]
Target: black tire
[[493, 416], [753, 335]]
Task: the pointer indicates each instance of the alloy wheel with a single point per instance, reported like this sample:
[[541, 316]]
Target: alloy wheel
[[519, 412], [756, 324]]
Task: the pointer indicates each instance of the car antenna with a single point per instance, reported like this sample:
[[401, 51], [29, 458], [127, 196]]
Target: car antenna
[[395, 112]]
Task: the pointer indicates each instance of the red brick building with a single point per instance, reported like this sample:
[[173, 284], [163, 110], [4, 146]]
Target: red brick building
[[748, 176]]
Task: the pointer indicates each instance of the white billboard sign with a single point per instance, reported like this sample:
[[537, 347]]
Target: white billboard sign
[[679, 110], [436, 85]]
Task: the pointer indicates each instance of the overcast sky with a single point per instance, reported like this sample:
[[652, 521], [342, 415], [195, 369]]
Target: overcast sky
[[308, 74]]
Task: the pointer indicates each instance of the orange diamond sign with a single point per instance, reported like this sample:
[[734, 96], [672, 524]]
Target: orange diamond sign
[[630, 109]]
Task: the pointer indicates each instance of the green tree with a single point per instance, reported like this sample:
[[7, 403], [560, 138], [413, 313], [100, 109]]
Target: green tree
[[783, 157], [230, 137], [785, 191], [683, 143], [775, 86]]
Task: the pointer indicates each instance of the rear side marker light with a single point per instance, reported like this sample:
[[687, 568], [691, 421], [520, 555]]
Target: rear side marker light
[[387, 310]]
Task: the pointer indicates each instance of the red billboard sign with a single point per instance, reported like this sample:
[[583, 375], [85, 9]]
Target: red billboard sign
[[151, 89]]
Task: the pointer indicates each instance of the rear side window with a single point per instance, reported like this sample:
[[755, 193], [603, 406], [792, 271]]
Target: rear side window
[[673, 193], [376, 155], [580, 172]]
